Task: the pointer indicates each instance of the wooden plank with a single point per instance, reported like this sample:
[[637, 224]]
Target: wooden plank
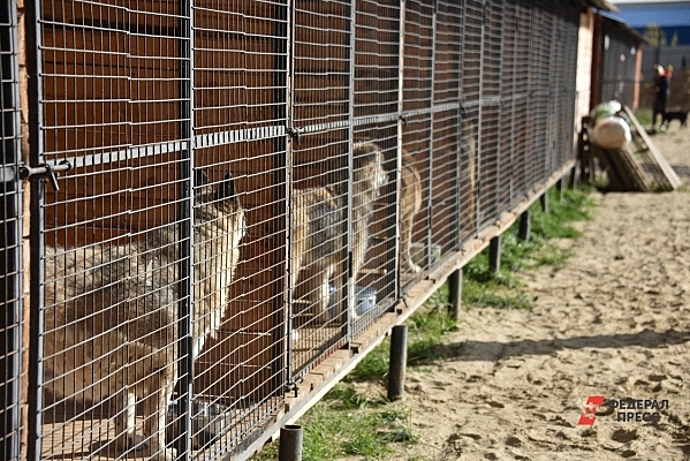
[[668, 171]]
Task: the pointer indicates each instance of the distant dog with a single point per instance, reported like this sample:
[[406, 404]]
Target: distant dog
[[681, 116], [111, 313], [411, 203], [319, 220]]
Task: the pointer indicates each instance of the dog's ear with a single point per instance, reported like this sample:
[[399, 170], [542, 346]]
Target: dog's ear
[[226, 189], [200, 178]]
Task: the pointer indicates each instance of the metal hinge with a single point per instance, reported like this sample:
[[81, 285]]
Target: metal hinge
[[47, 170]]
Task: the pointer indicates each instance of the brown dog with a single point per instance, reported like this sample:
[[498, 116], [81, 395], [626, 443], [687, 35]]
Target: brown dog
[[411, 203], [319, 217]]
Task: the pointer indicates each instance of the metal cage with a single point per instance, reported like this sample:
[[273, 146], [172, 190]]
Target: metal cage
[[233, 202]]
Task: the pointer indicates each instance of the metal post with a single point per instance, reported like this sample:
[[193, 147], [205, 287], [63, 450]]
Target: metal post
[[33, 38], [289, 95], [455, 293], [290, 443], [560, 186], [399, 148], [350, 279], [398, 362], [185, 372], [281, 337], [495, 254], [525, 225], [544, 201], [573, 177]]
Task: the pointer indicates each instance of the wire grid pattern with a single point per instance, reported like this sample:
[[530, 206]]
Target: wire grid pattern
[[240, 78], [418, 98], [520, 122], [618, 62], [11, 299], [329, 123], [322, 195], [376, 55], [450, 162], [114, 104]]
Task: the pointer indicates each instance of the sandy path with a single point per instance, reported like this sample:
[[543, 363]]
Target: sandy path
[[615, 322]]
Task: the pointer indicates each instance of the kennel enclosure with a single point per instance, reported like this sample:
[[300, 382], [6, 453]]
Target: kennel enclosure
[[111, 110]]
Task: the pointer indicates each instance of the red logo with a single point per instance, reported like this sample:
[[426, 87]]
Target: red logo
[[591, 406]]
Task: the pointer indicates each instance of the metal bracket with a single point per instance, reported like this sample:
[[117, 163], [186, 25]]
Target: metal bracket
[[292, 386], [295, 133], [46, 169]]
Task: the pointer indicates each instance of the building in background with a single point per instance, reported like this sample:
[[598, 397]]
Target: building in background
[[665, 25]]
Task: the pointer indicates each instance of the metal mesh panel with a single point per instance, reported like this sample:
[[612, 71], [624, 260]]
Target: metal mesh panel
[[418, 97], [567, 71], [618, 64], [522, 125], [113, 108], [491, 66], [377, 43], [540, 54], [240, 104], [449, 164], [510, 97], [11, 299], [117, 91], [322, 200], [471, 93]]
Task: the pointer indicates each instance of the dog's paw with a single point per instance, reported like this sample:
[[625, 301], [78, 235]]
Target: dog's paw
[[412, 267]]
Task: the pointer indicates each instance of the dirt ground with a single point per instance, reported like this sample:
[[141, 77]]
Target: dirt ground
[[615, 322]]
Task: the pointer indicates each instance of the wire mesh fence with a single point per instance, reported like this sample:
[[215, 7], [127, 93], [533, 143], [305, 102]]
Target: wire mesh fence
[[229, 194], [619, 65]]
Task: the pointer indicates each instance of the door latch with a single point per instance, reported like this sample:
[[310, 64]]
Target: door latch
[[46, 170]]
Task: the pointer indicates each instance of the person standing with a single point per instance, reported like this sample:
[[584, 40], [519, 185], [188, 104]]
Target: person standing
[[660, 96]]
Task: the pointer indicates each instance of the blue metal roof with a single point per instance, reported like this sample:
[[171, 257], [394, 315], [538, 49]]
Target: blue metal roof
[[641, 17]]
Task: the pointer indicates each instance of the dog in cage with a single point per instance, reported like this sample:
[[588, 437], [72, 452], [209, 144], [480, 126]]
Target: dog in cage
[[318, 227], [111, 314], [411, 203]]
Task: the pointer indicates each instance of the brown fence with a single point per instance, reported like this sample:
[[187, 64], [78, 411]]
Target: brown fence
[[232, 202]]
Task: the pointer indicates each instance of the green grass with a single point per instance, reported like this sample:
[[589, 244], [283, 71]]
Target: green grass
[[503, 289], [348, 423], [425, 332], [644, 116]]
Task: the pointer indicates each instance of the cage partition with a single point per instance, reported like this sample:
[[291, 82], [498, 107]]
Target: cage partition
[[238, 200]]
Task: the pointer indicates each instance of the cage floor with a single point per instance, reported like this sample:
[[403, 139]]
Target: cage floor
[[92, 436]]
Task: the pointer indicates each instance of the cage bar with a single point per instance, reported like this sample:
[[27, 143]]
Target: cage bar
[[11, 260]]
